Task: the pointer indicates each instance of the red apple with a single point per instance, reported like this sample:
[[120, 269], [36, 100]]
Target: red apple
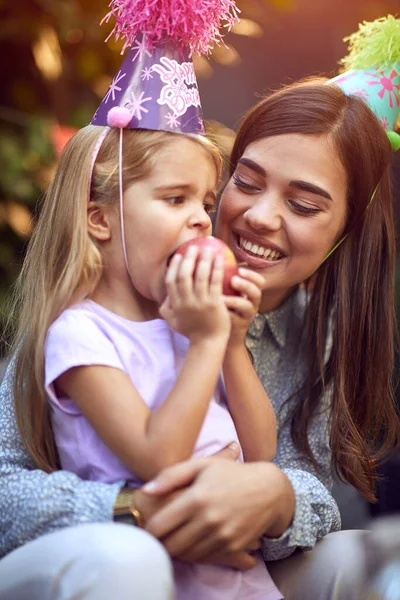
[[218, 247]]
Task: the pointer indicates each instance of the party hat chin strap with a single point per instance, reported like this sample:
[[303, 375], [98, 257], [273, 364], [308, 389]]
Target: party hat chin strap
[[96, 151], [121, 202], [347, 234]]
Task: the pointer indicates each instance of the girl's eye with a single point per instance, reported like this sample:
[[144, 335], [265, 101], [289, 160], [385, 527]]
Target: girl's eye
[[243, 185], [175, 200], [304, 210], [209, 208]]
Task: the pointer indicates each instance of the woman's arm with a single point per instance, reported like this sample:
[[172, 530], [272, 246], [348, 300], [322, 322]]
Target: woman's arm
[[33, 503], [316, 512]]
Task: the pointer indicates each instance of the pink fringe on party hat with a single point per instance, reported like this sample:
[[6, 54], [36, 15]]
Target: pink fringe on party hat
[[193, 25]]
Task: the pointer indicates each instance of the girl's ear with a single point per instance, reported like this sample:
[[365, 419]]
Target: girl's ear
[[98, 222]]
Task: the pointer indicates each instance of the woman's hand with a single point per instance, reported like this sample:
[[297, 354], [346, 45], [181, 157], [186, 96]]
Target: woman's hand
[[195, 305], [243, 308], [227, 507], [150, 504]]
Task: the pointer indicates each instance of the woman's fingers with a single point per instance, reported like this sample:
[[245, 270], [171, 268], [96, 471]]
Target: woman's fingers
[[256, 545], [193, 542], [184, 473], [197, 542], [176, 514], [175, 477]]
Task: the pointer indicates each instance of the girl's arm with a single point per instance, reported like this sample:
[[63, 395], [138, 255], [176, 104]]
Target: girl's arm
[[249, 404], [149, 441]]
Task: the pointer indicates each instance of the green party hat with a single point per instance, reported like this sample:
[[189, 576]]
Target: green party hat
[[372, 71]]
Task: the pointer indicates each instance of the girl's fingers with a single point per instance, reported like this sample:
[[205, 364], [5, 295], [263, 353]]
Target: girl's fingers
[[186, 269], [165, 309], [242, 306], [170, 278], [217, 277], [256, 278], [247, 289], [179, 278], [203, 274]]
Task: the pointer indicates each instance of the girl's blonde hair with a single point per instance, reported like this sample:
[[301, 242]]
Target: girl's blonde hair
[[63, 265]]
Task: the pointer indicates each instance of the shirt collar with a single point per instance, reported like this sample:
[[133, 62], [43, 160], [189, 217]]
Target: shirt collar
[[277, 320]]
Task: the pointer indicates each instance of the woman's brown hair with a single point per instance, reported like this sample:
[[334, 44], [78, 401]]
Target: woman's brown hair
[[352, 295]]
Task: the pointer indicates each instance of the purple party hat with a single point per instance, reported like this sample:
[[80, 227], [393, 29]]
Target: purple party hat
[[155, 87]]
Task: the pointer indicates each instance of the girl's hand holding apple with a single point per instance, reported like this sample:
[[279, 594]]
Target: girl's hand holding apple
[[243, 307], [241, 287], [195, 304]]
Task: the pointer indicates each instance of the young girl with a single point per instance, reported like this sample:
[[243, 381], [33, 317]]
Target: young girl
[[131, 337]]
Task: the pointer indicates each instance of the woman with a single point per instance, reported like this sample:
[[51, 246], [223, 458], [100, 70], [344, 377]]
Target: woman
[[305, 165]]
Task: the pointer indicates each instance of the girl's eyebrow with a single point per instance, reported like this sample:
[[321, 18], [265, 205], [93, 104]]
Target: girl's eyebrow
[[182, 187], [173, 186], [310, 187]]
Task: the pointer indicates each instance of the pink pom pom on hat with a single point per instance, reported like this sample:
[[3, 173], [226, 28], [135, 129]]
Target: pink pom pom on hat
[[118, 116]]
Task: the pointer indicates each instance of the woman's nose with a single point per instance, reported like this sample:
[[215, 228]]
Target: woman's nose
[[264, 214]]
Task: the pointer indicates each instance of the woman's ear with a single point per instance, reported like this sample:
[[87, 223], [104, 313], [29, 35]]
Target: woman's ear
[[98, 221]]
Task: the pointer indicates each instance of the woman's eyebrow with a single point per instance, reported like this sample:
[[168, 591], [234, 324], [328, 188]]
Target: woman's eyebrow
[[247, 162], [310, 187], [302, 185]]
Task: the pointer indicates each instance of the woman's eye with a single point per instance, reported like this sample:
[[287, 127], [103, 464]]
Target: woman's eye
[[243, 185], [304, 210]]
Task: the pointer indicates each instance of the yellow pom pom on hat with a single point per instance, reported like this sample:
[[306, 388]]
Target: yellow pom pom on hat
[[372, 71]]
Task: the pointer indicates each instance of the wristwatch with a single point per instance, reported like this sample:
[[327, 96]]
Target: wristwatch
[[125, 511]]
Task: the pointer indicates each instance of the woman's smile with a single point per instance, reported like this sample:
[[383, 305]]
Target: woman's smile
[[259, 253]]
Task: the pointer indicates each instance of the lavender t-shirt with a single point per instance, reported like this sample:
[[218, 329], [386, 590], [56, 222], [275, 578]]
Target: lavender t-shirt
[[150, 353]]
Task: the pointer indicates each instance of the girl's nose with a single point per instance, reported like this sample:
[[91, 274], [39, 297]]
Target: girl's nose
[[264, 214], [200, 219]]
